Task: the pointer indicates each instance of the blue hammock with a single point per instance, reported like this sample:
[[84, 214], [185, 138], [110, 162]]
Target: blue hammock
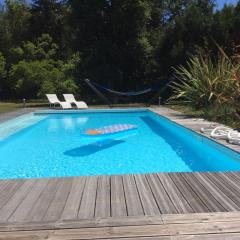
[[120, 93]]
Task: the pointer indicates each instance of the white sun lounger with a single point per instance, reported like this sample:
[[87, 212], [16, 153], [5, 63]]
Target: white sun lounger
[[53, 100], [210, 128], [234, 137], [220, 132], [71, 99]]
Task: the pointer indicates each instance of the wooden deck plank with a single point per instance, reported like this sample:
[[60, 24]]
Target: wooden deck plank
[[163, 230], [225, 201], [163, 201], [229, 236], [87, 206], [22, 210], [103, 197], [203, 193], [44, 236], [58, 203], [144, 238], [230, 180], [225, 187], [25, 235], [3, 184], [225, 236], [124, 221], [134, 206], [118, 201], [74, 199], [40, 207], [9, 190], [126, 195], [16, 199], [200, 217], [149, 204], [82, 223], [235, 175], [192, 198], [148, 230], [178, 200]]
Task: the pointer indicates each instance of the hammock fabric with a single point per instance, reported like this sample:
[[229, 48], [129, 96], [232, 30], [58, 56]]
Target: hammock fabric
[[122, 93]]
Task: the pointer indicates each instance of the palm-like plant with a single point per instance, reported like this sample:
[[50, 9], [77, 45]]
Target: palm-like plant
[[202, 83], [210, 85]]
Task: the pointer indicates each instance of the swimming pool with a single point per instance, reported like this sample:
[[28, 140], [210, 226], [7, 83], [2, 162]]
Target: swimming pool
[[51, 145]]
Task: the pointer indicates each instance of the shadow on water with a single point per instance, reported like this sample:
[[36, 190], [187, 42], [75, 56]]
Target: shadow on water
[[183, 150], [92, 148]]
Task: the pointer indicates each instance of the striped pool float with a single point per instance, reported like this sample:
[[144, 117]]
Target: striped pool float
[[117, 128]]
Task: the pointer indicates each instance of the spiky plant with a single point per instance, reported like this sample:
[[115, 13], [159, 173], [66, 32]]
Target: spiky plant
[[209, 84]]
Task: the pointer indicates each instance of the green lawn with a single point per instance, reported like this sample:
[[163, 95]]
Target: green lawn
[[186, 109], [12, 106], [8, 107], [228, 119]]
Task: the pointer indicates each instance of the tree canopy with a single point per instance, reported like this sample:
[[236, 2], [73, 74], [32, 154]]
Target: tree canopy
[[51, 45]]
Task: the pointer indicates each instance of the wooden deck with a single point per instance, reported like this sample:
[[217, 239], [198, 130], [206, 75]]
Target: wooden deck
[[218, 226], [160, 206], [44, 200]]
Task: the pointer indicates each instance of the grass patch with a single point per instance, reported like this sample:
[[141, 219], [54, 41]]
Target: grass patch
[[188, 110], [211, 114], [13, 106], [9, 107]]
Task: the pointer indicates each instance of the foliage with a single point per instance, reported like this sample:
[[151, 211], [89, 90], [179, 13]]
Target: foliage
[[210, 84], [225, 24], [3, 72], [188, 25], [14, 23], [47, 16], [203, 82], [42, 48], [41, 77], [36, 72], [126, 45], [2, 66], [113, 39]]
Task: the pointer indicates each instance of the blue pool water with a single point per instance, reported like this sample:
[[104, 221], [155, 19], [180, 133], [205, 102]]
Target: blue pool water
[[52, 146]]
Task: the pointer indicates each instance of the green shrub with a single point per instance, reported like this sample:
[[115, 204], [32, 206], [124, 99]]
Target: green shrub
[[212, 85], [204, 82], [2, 71], [36, 78], [2, 66], [35, 70]]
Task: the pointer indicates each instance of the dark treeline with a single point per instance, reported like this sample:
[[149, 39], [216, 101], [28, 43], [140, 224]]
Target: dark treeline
[[50, 45]]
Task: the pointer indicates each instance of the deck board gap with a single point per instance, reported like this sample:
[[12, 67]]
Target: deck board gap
[[167, 193], [149, 185], [81, 197], [180, 191], [139, 195], [124, 194], [209, 192], [197, 194]]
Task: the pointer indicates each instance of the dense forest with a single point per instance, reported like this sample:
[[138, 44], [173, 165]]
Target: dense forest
[[50, 46]]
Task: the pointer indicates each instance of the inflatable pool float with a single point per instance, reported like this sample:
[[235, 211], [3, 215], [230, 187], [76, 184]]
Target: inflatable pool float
[[109, 130]]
